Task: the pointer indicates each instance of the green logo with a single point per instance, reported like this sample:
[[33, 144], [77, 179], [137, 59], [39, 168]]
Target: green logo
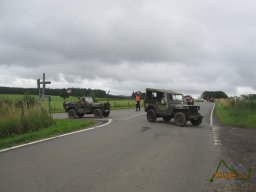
[[232, 173]]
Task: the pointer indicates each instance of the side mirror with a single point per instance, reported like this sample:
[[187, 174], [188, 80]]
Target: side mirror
[[163, 101]]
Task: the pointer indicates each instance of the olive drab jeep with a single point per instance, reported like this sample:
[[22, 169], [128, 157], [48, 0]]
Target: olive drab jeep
[[86, 105], [168, 104]]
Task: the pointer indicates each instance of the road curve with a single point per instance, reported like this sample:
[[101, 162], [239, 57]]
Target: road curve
[[130, 154]]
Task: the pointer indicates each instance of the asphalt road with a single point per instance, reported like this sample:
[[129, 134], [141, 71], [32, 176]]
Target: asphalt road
[[129, 154]]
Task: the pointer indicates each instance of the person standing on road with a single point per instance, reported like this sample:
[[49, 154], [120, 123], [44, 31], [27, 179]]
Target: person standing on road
[[137, 99]]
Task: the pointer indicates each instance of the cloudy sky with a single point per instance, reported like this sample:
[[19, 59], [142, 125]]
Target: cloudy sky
[[126, 45]]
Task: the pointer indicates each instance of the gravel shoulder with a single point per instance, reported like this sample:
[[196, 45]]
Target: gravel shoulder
[[240, 144]]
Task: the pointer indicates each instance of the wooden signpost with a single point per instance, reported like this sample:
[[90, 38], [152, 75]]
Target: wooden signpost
[[42, 95]]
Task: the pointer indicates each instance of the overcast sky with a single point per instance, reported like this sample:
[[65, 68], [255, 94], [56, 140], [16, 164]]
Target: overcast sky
[[126, 45]]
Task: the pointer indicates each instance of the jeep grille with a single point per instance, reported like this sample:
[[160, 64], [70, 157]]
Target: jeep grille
[[193, 109]]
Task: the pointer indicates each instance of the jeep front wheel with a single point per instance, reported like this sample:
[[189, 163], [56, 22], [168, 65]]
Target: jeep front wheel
[[180, 119], [72, 114], [97, 113], [151, 115], [196, 122]]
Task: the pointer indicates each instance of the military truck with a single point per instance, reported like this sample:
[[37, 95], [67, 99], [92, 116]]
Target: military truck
[[169, 104], [86, 105]]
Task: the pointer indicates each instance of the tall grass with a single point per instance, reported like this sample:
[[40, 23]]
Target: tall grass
[[23, 116], [237, 113]]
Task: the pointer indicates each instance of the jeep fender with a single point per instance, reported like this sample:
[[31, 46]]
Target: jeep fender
[[148, 108]]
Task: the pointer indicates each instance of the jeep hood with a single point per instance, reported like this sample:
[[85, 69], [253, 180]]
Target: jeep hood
[[69, 103], [181, 106], [97, 104]]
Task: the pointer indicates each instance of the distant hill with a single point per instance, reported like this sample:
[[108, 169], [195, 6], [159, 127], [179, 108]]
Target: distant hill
[[76, 92]]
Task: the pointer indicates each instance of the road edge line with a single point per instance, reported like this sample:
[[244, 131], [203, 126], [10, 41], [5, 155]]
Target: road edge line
[[216, 138], [211, 118], [55, 137]]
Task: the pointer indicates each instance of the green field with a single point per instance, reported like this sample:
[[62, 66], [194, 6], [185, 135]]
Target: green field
[[57, 102], [239, 114]]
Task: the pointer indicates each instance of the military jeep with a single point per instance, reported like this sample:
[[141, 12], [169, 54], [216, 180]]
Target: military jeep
[[168, 104], [86, 105]]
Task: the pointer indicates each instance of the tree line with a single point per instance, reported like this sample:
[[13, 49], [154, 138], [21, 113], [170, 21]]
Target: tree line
[[79, 92], [214, 94], [62, 92]]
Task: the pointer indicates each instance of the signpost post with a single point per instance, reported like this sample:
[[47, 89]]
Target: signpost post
[[42, 94], [39, 86]]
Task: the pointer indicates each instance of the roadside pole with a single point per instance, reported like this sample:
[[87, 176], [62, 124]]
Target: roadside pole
[[41, 93]]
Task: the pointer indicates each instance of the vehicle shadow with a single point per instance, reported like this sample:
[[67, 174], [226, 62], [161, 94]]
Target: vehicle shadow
[[188, 124]]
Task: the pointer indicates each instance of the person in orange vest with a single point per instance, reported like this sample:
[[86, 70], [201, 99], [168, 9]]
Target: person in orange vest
[[137, 99]]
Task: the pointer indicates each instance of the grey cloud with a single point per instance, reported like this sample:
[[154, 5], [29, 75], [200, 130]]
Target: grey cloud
[[126, 45]]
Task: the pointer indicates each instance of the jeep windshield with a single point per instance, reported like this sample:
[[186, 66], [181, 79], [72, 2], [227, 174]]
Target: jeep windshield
[[176, 98], [88, 99]]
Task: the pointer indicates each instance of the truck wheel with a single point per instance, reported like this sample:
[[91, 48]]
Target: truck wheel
[[180, 119], [166, 118], [97, 113], [196, 122], [106, 114], [151, 115], [72, 114]]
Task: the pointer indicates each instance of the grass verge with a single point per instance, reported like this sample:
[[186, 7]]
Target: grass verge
[[59, 127], [240, 114]]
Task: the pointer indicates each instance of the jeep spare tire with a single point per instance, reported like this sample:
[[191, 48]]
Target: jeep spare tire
[[180, 119], [151, 115], [97, 113], [72, 114]]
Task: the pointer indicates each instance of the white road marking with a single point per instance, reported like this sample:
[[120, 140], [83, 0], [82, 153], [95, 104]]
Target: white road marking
[[215, 130], [58, 136], [211, 121]]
